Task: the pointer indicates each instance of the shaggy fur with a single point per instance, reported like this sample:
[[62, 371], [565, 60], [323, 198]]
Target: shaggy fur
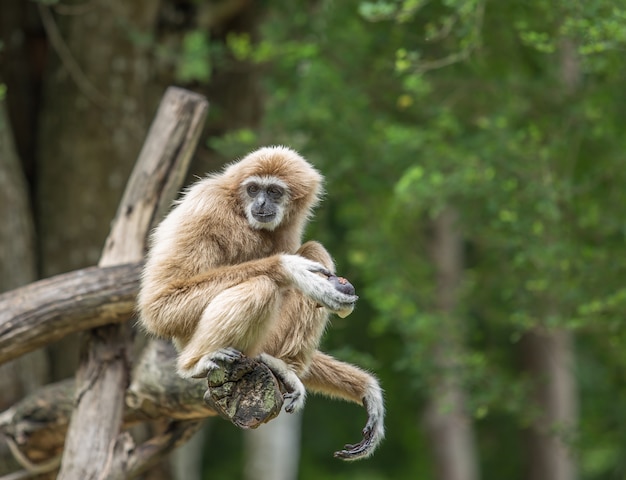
[[213, 283]]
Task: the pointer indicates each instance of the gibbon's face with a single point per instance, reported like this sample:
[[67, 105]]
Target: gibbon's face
[[265, 199]]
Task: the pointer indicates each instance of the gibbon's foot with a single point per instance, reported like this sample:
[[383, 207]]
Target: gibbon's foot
[[358, 450], [294, 401], [208, 362], [296, 393], [228, 355], [373, 434]]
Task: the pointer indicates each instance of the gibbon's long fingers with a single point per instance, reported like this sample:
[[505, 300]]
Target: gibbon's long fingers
[[300, 270]]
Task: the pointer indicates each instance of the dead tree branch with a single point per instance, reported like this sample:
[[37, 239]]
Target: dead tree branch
[[104, 372], [43, 312], [83, 423]]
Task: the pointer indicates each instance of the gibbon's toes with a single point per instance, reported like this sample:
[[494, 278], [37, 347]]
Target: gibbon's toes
[[200, 370], [354, 452], [359, 450], [294, 400], [228, 355]]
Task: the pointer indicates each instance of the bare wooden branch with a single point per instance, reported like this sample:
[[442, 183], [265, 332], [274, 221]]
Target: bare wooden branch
[[104, 374], [129, 461], [158, 174], [45, 311], [246, 394], [156, 391]]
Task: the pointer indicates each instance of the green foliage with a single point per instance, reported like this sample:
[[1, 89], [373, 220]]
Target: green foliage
[[194, 63], [409, 107]]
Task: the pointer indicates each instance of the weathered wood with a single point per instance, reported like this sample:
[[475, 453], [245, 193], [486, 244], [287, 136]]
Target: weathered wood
[[245, 392], [45, 311], [129, 460], [104, 373], [247, 395], [156, 391]]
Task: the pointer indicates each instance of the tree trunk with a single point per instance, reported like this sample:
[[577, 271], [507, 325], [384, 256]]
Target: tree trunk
[[548, 357], [94, 431], [94, 117], [273, 450], [186, 461], [447, 422], [17, 268], [549, 360]]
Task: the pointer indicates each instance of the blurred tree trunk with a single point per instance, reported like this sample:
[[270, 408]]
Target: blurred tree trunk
[[99, 90], [186, 461], [17, 268], [448, 424], [548, 356], [273, 450], [94, 117]]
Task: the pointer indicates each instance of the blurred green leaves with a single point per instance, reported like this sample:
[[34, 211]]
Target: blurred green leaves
[[194, 63], [409, 107]]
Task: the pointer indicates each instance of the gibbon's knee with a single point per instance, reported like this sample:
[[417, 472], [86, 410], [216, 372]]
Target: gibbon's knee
[[300, 325], [240, 317], [315, 251]]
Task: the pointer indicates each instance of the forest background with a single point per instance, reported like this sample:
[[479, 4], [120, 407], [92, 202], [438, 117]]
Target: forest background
[[475, 166]]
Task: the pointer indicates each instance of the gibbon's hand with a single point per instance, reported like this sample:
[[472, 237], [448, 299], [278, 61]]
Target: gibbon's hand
[[304, 275]]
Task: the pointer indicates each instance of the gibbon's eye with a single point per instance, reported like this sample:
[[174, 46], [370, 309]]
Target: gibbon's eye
[[275, 192], [252, 189]]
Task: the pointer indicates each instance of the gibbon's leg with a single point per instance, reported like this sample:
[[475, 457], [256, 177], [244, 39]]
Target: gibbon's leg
[[296, 334], [337, 379], [238, 318], [315, 251]]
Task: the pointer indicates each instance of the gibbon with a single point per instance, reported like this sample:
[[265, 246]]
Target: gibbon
[[226, 275]]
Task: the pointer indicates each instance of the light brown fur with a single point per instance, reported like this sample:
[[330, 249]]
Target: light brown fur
[[212, 281]]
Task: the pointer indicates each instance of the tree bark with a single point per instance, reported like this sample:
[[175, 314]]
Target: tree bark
[[46, 311], [548, 357], [17, 267], [549, 360], [94, 115], [93, 436], [448, 424], [36, 426]]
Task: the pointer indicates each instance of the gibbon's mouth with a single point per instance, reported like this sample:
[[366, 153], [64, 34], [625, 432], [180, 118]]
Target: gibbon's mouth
[[263, 217]]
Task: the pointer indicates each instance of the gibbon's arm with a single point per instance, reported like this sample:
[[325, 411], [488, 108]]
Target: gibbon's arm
[[168, 303], [337, 379]]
